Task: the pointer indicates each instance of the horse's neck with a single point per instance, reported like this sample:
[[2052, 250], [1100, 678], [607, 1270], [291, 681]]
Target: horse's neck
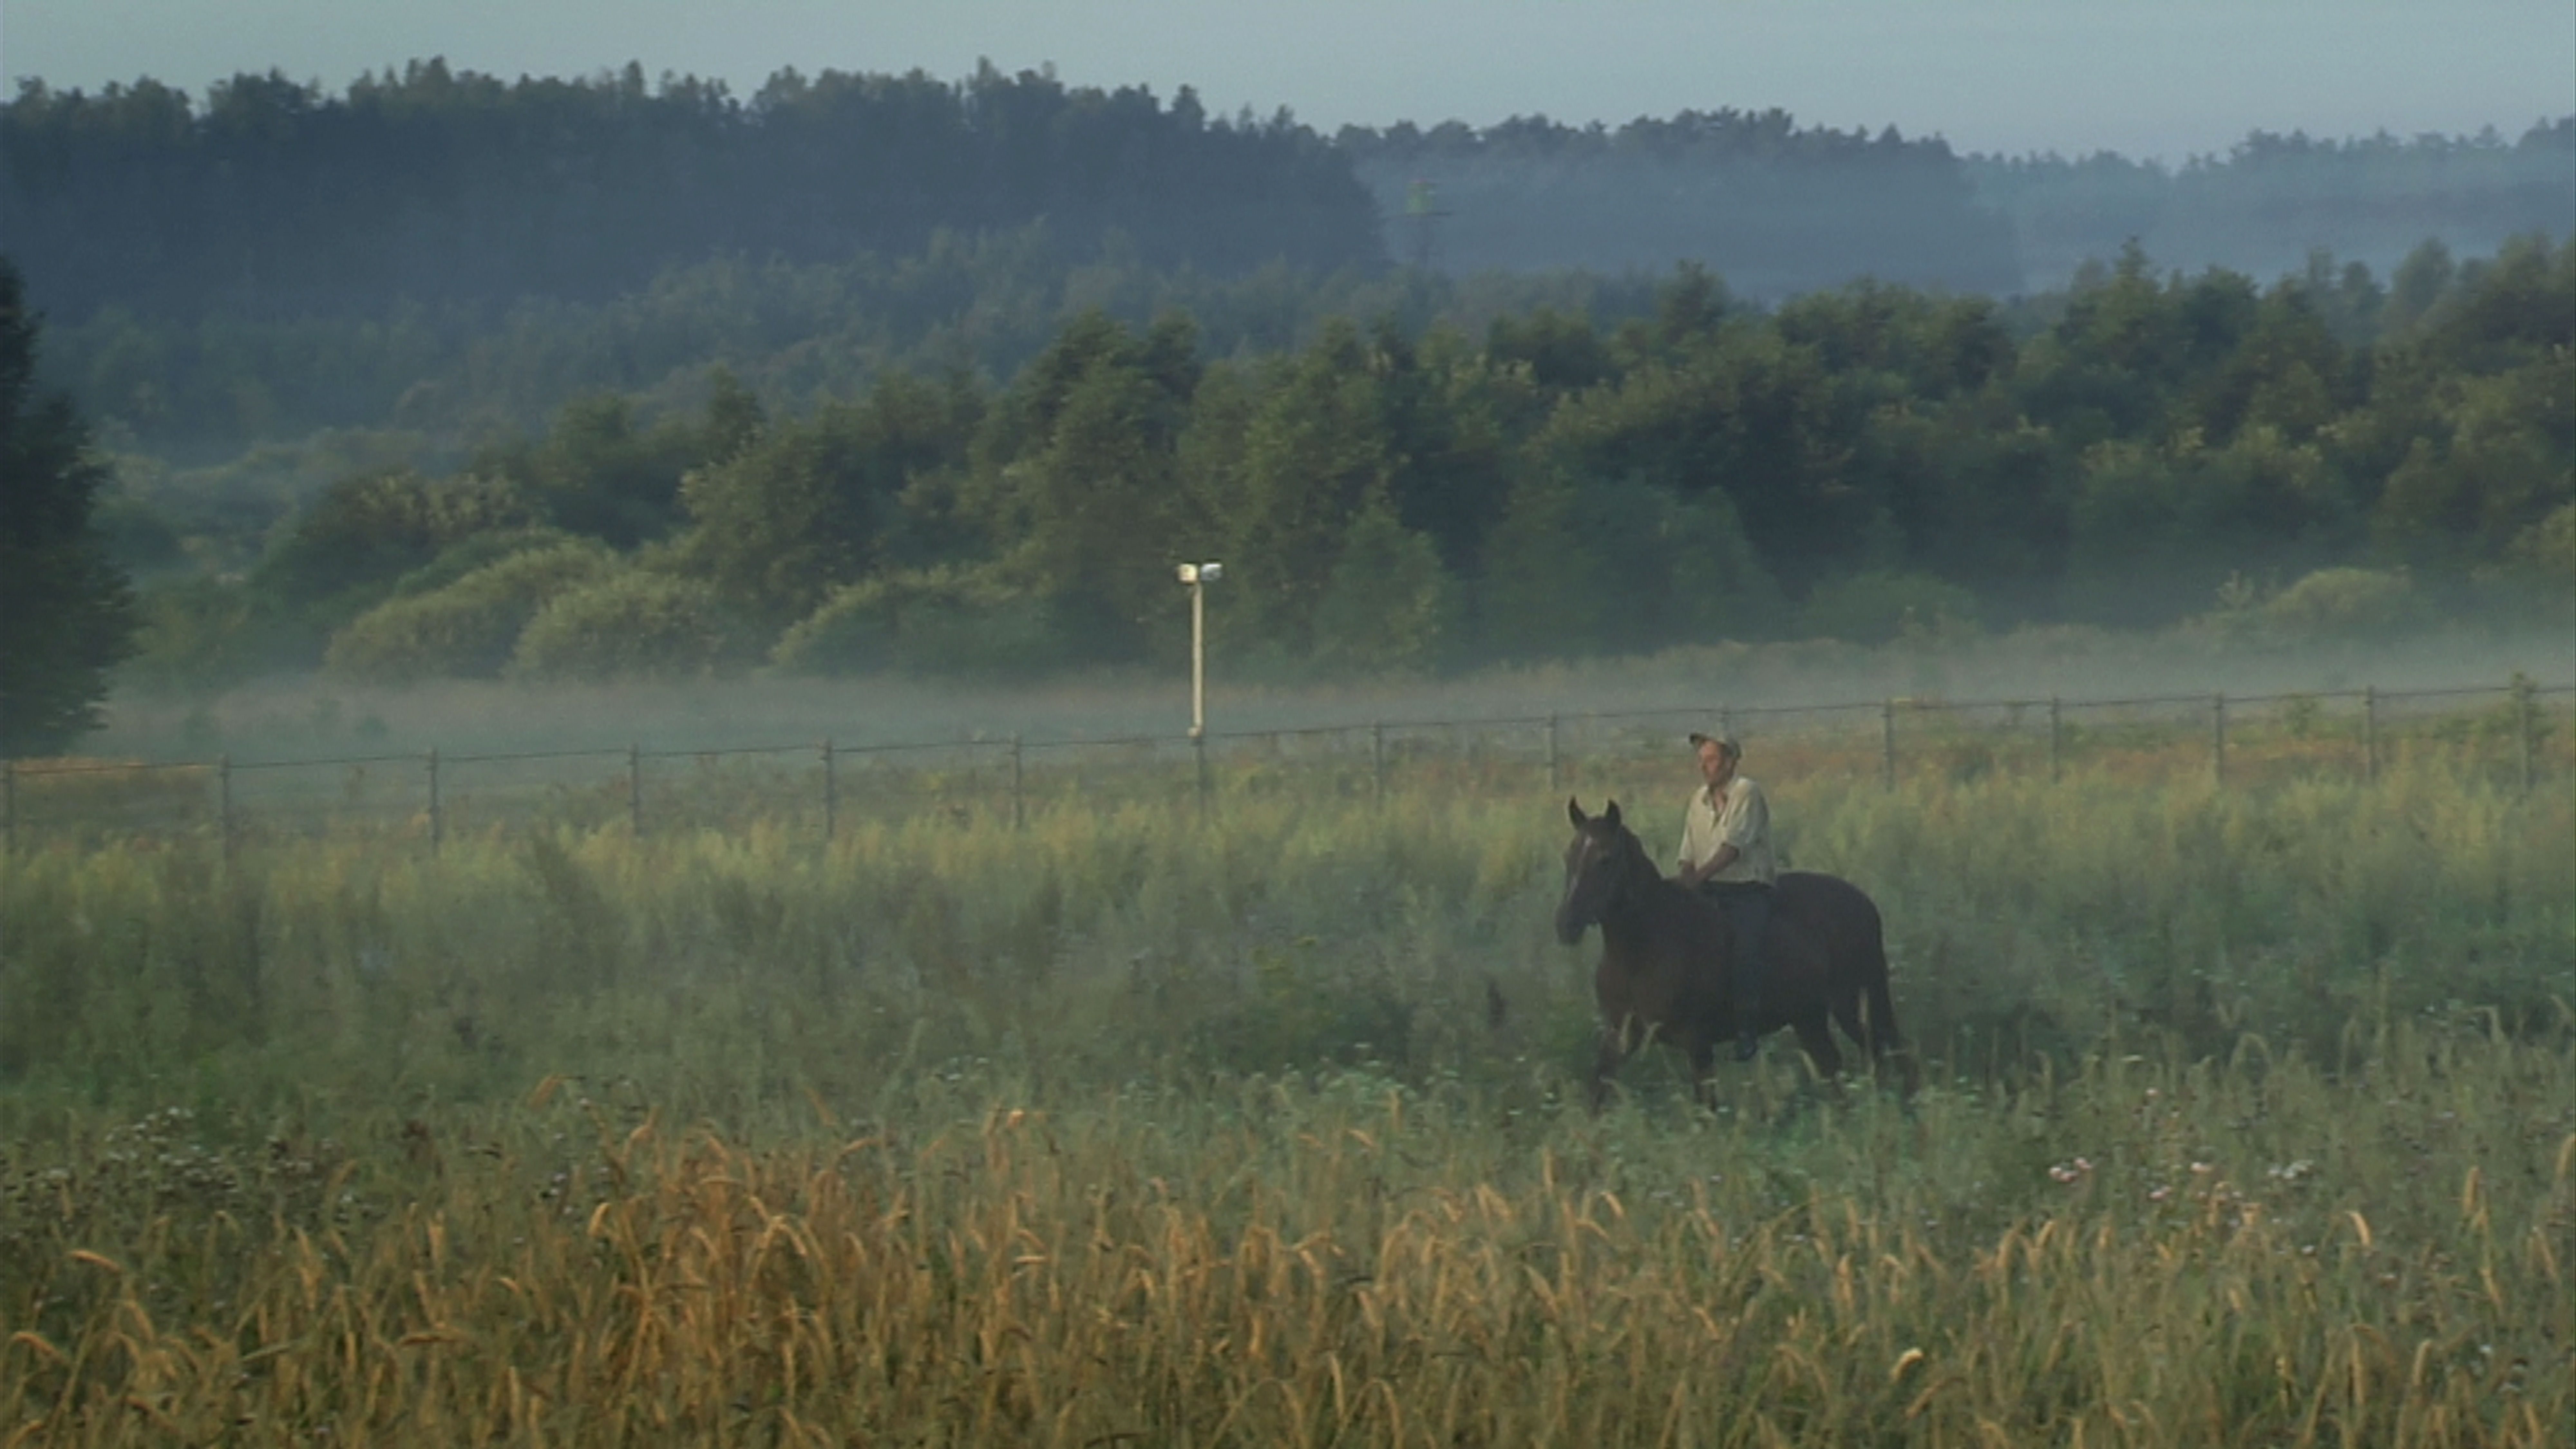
[[1638, 912]]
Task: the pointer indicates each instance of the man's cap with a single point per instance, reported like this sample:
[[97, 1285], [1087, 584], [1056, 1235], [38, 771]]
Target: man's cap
[[1722, 740]]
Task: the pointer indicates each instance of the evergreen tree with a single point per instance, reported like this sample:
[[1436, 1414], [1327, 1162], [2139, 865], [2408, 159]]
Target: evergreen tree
[[66, 610]]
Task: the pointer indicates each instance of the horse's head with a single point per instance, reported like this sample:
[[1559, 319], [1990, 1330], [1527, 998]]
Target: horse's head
[[1601, 863]]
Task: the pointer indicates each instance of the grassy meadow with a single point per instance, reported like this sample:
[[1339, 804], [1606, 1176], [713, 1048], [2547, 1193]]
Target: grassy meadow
[[2249, 1118]]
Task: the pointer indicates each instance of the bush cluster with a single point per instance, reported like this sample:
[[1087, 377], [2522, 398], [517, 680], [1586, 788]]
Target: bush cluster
[[469, 628]]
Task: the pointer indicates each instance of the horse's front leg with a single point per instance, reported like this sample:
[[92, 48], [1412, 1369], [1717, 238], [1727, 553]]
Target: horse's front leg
[[1703, 1065], [1606, 1058]]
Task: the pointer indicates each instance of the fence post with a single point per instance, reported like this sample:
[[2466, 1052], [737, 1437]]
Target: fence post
[[1377, 761], [8, 804], [2056, 740], [635, 790], [831, 794], [2369, 735], [437, 823], [2218, 737], [224, 802], [1887, 745], [1552, 778], [1019, 797]]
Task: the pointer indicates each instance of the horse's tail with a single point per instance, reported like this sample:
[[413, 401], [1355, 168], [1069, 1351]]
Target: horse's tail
[[1884, 1037], [1884, 1041]]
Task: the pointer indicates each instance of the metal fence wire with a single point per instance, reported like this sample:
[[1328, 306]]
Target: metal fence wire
[[2517, 733]]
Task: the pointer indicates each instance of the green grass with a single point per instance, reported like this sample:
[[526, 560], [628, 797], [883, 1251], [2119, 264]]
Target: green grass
[[2251, 1120]]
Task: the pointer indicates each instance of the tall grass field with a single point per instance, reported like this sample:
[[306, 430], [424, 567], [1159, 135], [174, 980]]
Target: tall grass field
[[2249, 1118]]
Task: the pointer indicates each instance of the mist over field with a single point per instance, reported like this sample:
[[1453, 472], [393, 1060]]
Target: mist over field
[[316, 718]]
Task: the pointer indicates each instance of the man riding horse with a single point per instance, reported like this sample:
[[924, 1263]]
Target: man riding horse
[[1726, 855]]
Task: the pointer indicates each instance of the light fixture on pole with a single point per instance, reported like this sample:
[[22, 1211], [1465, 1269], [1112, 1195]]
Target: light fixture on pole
[[1198, 576]]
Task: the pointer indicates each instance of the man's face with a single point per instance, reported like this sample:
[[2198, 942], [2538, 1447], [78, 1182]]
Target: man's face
[[1716, 766]]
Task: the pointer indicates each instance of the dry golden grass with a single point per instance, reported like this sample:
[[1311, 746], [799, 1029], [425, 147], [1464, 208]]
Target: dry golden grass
[[1273, 1263]]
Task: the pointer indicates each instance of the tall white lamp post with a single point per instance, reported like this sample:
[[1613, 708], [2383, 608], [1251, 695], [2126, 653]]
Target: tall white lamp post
[[1198, 576]]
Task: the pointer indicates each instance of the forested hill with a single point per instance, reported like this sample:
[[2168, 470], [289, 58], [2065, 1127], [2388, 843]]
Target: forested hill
[[442, 186], [1776, 208], [271, 198], [2273, 199]]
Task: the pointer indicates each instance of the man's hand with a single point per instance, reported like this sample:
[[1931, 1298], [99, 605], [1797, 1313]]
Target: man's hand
[[1692, 875]]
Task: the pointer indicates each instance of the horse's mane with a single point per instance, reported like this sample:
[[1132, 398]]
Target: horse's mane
[[1635, 847], [1643, 874]]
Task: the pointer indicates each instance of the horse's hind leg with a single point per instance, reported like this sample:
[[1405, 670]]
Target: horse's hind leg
[[1847, 1016], [1886, 1045], [1818, 1039], [1864, 1033]]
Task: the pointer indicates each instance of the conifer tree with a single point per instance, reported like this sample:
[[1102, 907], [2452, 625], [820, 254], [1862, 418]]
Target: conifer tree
[[66, 609]]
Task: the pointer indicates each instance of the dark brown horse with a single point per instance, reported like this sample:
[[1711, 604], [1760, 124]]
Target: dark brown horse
[[1665, 949]]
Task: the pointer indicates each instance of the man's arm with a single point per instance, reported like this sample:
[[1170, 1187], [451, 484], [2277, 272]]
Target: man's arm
[[1719, 859]]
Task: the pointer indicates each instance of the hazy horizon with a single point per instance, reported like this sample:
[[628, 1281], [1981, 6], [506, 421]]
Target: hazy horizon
[[2009, 77], [290, 716]]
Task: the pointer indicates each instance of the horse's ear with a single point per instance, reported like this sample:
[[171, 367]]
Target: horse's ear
[[1574, 811], [1612, 814]]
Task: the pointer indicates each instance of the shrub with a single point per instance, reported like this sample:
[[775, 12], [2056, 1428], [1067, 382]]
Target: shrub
[[1875, 607], [362, 534], [1618, 566], [476, 553], [2342, 603], [470, 627], [628, 625], [2338, 605], [1388, 606], [2543, 556], [199, 633], [936, 622]]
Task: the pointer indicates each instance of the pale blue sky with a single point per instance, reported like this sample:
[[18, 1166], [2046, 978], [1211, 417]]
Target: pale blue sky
[[2162, 78]]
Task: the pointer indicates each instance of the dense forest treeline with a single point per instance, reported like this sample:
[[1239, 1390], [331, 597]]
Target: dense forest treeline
[[798, 334], [279, 214], [1778, 208], [1782, 209], [2327, 453], [2273, 199], [435, 186], [447, 376]]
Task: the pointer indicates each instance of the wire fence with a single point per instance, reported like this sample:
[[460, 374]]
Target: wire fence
[[2517, 733]]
